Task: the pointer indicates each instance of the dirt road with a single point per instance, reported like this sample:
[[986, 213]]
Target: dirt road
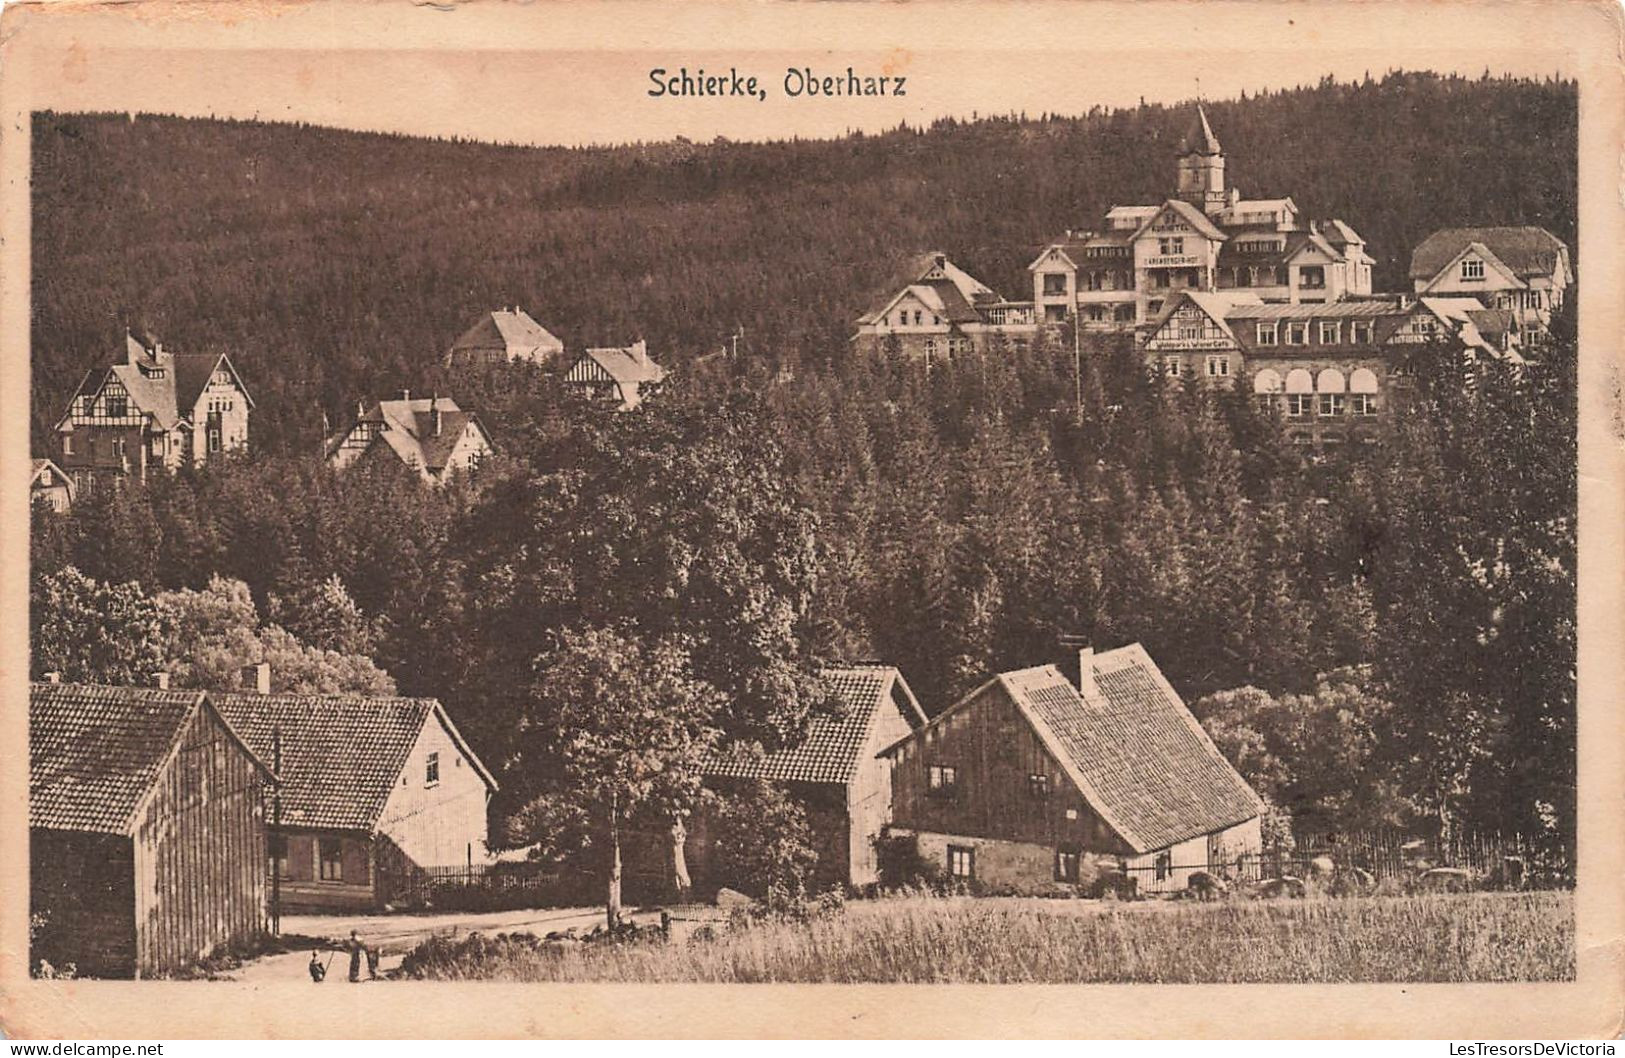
[[395, 935]]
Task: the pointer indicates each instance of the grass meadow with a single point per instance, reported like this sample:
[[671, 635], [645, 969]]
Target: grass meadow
[[1438, 937]]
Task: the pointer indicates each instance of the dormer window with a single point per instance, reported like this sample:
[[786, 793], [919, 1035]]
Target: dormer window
[[1472, 269]]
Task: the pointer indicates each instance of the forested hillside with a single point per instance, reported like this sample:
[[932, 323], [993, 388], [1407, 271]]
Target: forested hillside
[[335, 265], [1382, 636]]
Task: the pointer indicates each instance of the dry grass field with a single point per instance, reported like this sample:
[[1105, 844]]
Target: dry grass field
[[1441, 937]]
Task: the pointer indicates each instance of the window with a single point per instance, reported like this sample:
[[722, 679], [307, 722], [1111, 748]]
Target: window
[[958, 347], [1038, 786], [118, 449], [1298, 404], [1363, 403], [1472, 269], [67, 444], [1172, 245], [332, 867], [1266, 333], [1066, 864], [1190, 332], [1331, 332], [918, 316], [1153, 307], [1297, 333], [1171, 366], [1054, 313], [942, 780], [279, 855], [961, 862], [1218, 367], [1123, 313], [1360, 332], [214, 440], [1312, 276], [431, 769], [1331, 405], [1163, 865], [930, 348], [1054, 283]]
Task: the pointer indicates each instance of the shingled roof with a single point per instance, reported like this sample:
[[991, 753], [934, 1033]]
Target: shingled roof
[[1528, 251], [1133, 750], [408, 429], [833, 748], [341, 755], [94, 752]]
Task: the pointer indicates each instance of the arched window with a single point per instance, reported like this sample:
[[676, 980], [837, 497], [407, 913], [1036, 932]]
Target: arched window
[[1299, 381], [1364, 380], [1329, 381], [1267, 381]]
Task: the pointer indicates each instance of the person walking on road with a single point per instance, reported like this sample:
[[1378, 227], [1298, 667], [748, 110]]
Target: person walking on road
[[356, 949]]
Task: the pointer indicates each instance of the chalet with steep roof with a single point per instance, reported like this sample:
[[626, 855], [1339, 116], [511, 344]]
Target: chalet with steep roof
[[374, 790], [618, 375], [503, 336], [147, 829], [157, 409], [431, 435], [1522, 270], [1030, 772], [934, 310]]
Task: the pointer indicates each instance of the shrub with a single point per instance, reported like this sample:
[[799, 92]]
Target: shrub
[[761, 843], [901, 866]]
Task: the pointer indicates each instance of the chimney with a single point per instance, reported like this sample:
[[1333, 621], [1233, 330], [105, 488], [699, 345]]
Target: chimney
[[360, 408], [434, 415], [160, 680], [1086, 673], [53, 677], [406, 394], [257, 678], [939, 259]]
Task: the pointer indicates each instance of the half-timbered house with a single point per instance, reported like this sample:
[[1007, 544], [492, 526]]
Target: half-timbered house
[[147, 829], [1027, 774], [50, 486], [157, 409], [373, 791], [432, 436], [620, 375]]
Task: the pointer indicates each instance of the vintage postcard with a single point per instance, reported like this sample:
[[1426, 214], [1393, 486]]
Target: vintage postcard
[[1037, 502]]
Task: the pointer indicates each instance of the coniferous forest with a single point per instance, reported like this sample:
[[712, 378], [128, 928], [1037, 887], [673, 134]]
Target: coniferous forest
[[1382, 636]]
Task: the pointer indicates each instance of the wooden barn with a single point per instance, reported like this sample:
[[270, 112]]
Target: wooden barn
[[373, 790], [1027, 774], [835, 773], [147, 831]]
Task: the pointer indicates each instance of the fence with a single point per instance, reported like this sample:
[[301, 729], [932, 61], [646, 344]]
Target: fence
[[1386, 854]]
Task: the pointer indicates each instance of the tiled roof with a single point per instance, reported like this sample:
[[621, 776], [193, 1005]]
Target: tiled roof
[[912, 276], [1528, 251], [94, 752], [831, 751], [1219, 305], [1140, 758], [341, 755]]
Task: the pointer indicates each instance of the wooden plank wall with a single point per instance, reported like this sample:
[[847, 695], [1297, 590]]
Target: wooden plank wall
[[200, 852], [995, 750]]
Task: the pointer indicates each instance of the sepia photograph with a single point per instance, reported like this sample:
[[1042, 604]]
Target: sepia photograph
[[1090, 512]]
